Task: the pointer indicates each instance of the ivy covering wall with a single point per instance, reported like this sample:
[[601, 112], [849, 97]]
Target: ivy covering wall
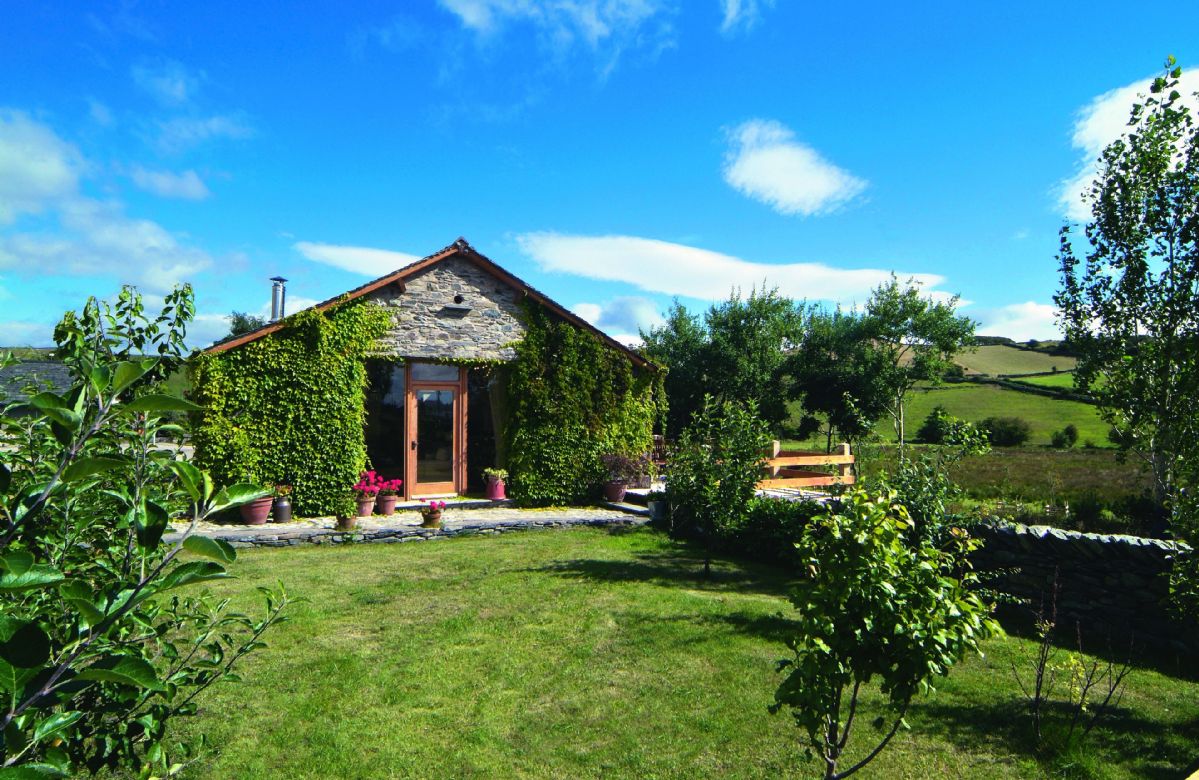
[[570, 398], [289, 407]]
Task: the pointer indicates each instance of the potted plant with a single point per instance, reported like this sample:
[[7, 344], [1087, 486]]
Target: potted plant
[[257, 511], [495, 483], [248, 461], [620, 469], [365, 490], [389, 494], [431, 514], [282, 508], [346, 514]]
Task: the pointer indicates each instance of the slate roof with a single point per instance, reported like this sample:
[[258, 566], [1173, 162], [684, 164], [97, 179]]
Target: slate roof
[[15, 379]]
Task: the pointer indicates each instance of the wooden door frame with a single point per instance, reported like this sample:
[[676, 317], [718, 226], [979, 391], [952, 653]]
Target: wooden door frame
[[458, 457]]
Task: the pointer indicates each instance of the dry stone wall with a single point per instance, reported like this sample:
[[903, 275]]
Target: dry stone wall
[[1116, 587], [427, 321]]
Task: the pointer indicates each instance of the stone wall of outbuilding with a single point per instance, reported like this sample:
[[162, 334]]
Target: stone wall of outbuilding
[[428, 323]]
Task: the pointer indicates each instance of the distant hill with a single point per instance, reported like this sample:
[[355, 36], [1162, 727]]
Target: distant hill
[[1004, 360]]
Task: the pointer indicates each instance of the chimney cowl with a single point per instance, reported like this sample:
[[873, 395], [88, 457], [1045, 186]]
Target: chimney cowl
[[278, 298]]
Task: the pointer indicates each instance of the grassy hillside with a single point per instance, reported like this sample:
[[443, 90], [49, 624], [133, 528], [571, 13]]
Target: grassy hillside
[[998, 360], [1063, 380], [974, 403]]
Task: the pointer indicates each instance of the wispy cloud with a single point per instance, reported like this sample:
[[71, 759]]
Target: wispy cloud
[[357, 259], [182, 133], [741, 15], [37, 167], [39, 172], [765, 162], [677, 269], [623, 315], [1020, 321], [186, 185], [1097, 125], [170, 83]]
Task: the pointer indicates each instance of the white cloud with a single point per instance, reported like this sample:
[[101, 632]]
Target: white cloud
[[1101, 122], [626, 314], [608, 27], [40, 172], [183, 133], [357, 259], [36, 166], [676, 269], [17, 333], [766, 163], [1021, 321], [186, 185], [741, 15], [170, 83]]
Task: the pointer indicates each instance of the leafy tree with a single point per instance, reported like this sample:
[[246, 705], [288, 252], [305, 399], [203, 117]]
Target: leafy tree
[[100, 645], [835, 371], [714, 470], [1065, 438], [873, 606], [240, 322], [1129, 307], [915, 338], [679, 344], [935, 426], [1006, 431]]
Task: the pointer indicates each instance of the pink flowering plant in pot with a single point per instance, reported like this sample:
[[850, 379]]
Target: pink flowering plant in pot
[[367, 488], [431, 513], [389, 494]]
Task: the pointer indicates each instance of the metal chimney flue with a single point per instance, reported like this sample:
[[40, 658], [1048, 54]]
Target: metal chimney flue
[[278, 298]]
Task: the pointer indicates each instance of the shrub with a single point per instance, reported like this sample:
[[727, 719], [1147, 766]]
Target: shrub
[[1006, 431], [873, 607], [935, 426], [1065, 438], [770, 529], [714, 469], [100, 645]]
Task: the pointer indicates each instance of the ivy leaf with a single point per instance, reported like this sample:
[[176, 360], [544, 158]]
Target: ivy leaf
[[194, 571], [87, 467], [123, 670], [158, 402], [217, 549], [39, 575]]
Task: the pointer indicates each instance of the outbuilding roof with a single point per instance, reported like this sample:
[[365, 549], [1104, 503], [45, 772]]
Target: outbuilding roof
[[460, 248]]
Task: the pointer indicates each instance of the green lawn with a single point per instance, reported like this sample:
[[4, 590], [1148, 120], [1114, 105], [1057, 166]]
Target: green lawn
[[999, 360], [588, 653], [974, 403], [1063, 379]]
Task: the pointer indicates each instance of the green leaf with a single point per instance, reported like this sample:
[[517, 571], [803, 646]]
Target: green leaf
[[5, 478], [192, 572], [129, 372], [87, 467], [123, 670], [77, 595], [17, 562], [217, 549], [56, 722], [26, 646], [13, 678], [31, 772], [150, 523], [100, 377], [159, 402], [57, 409], [191, 477], [236, 495], [37, 576]]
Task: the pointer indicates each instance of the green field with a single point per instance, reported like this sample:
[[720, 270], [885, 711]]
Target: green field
[[588, 653], [974, 403], [999, 360], [1064, 380]]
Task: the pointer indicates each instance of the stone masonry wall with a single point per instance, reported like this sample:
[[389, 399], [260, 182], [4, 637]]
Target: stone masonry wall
[[425, 324], [1114, 586]]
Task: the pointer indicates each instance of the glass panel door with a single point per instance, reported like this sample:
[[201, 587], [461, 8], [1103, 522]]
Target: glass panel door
[[434, 439]]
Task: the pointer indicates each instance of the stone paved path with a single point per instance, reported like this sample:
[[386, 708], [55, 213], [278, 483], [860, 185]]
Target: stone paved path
[[404, 526]]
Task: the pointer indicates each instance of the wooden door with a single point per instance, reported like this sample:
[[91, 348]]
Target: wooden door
[[436, 430]]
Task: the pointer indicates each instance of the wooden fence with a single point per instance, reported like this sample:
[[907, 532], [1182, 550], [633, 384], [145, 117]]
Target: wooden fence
[[781, 468]]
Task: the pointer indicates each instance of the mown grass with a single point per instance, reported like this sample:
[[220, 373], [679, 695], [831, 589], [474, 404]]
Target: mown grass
[[587, 653], [999, 360]]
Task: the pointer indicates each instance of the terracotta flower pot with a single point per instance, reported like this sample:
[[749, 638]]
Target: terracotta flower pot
[[495, 489], [614, 491], [386, 504], [282, 510], [257, 511], [346, 523], [431, 519], [366, 506]]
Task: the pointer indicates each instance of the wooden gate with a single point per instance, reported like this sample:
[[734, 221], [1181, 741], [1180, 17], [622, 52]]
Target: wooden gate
[[782, 469]]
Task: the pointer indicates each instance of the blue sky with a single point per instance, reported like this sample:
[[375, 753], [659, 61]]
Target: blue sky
[[614, 153]]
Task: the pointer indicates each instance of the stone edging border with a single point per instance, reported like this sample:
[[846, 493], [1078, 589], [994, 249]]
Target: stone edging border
[[411, 533]]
